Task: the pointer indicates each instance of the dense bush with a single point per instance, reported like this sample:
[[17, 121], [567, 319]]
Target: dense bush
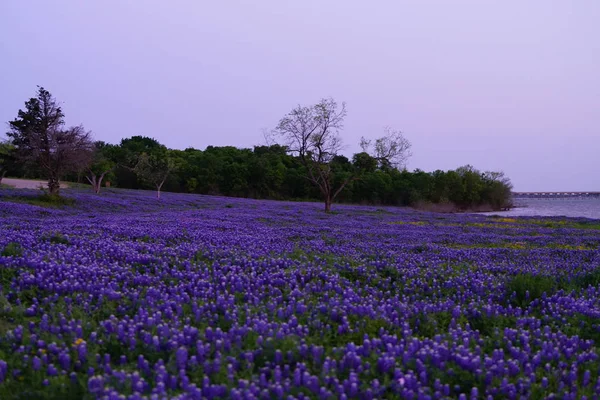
[[269, 172]]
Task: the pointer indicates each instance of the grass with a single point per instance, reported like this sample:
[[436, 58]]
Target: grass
[[145, 239], [56, 238], [43, 200], [528, 287], [12, 249], [589, 279], [429, 325], [587, 225], [415, 223], [523, 246], [6, 277], [498, 222], [554, 224]]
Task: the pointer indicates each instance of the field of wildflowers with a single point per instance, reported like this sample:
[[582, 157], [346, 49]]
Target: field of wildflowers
[[121, 296]]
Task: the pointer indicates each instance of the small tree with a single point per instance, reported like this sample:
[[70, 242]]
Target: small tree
[[154, 169], [312, 133], [498, 190], [7, 155], [39, 138], [392, 150], [364, 162], [100, 166], [472, 183]]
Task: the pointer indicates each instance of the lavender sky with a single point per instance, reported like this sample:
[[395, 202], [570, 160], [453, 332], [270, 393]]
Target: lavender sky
[[506, 85]]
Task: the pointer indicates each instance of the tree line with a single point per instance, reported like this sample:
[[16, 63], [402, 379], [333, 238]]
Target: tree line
[[302, 161]]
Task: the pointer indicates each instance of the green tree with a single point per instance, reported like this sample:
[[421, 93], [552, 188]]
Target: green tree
[[126, 156], [7, 158], [439, 190], [364, 162], [455, 187], [275, 173], [497, 190], [101, 165], [154, 169], [473, 186]]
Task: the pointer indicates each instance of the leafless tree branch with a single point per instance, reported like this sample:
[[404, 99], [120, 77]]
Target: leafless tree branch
[[312, 133]]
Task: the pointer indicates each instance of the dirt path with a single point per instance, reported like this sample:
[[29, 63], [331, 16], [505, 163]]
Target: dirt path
[[28, 184]]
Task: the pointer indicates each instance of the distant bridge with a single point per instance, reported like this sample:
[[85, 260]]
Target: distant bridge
[[554, 195]]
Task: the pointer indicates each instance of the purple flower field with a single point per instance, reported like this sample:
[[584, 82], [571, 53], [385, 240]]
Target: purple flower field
[[121, 296]]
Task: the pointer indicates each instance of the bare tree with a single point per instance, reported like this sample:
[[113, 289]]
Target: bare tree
[[154, 169], [71, 149], [268, 137], [497, 176], [312, 133], [40, 139], [390, 150]]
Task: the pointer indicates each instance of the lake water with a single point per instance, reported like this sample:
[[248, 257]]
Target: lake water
[[579, 207]]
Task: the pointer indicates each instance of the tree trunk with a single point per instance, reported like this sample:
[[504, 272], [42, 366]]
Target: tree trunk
[[2, 176], [327, 204], [99, 183], [96, 181], [93, 182], [158, 187], [54, 186]]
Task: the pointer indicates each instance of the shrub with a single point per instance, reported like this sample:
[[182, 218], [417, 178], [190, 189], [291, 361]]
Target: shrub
[[12, 249], [528, 287], [55, 200]]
